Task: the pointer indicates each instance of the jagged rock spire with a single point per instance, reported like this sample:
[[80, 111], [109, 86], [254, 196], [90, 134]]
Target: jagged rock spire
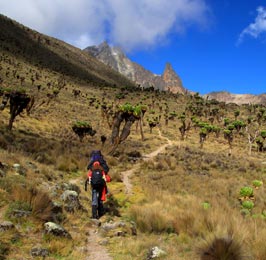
[[172, 80], [115, 58]]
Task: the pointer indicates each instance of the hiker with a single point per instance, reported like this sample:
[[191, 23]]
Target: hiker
[[97, 178], [96, 155]]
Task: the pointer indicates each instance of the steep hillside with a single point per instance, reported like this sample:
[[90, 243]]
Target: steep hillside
[[46, 53], [116, 59]]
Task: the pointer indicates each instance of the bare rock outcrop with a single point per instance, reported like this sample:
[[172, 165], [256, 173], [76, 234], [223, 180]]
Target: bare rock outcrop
[[116, 59]]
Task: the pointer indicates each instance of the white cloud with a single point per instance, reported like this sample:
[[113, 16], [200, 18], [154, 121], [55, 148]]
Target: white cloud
[[129, 23], [257, 28]]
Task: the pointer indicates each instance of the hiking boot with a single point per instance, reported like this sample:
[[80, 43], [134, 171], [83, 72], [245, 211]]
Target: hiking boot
[[94, 212]]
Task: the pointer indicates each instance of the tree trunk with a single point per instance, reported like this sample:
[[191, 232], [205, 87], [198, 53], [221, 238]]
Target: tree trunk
[[116, 127], [126, 130], [141, 129]]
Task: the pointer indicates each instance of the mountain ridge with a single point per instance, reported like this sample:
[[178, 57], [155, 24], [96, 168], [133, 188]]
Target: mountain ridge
[[227, 97], [115, 58]]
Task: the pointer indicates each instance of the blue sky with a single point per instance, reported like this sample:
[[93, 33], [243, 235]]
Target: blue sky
[[216, 58], [213, 45]]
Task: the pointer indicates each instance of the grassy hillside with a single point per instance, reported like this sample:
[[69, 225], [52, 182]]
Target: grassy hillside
[[201, 197], [23, 47]]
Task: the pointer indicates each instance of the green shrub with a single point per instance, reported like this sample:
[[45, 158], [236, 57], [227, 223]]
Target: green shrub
[[246, 191], [257, 183], [247, 204], [206, 205], [245, 212]]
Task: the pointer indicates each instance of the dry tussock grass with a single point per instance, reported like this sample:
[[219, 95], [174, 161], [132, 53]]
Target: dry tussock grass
[[60, 247], [39, 201], [181, 195], [134, 248], [152, 218]]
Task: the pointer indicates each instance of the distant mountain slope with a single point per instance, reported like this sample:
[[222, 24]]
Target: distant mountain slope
[[55, 55], [239, 99], [115, 58]]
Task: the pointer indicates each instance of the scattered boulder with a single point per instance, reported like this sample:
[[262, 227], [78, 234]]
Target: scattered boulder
[[112, 226], [118, 228], [71, 200], [6, 225], [155, 252], [133, 228], [56, 230], [19, 169], [16, 213], [70, 186], [38, 251]]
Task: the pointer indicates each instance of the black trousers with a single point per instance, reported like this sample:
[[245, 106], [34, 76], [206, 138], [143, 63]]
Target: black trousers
[[97, 203]]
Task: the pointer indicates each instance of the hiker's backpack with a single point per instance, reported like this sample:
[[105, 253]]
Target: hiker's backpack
[[97, 180], [96, 155]]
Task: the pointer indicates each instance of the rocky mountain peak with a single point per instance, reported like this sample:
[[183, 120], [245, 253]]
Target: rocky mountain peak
[[114, 57], [103, 47], [172, 80]]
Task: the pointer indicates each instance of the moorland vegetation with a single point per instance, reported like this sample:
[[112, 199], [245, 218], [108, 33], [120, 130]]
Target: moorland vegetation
[[202, 197]]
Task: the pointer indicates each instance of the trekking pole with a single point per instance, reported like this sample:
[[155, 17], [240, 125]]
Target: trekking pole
[[86, 185]]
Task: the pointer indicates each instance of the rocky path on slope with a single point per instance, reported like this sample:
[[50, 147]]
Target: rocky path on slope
[[95, 250]]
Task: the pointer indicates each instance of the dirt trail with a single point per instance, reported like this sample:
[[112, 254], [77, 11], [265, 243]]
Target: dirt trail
[[97, 251], [126, 174]]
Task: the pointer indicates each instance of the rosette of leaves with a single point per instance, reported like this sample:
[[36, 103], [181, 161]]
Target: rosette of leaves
[[238, 125], [228, 135], [139, 110], [194, 119], [236, 113], [246, 192], [83, 128], [230, 127], [226, 121], [126, 108], [247, 204], [120, 96], [216, 130], [152, 123], [4, 90], [203, 132], [172, 115], [257, 183], [206, 205]]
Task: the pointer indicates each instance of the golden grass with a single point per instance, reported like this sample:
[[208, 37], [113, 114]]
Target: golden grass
[[169, 192], [175, 202], [40, 204]]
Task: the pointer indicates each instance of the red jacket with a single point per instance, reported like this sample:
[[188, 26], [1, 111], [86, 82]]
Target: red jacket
[[106, 177]]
